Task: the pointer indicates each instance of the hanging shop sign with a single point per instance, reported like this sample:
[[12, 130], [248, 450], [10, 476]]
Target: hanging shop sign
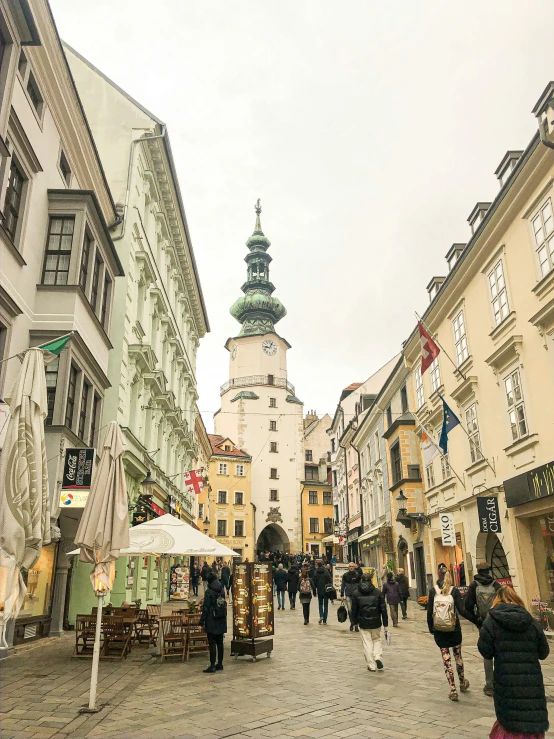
[[489, 515], [77, 469], [448, 534], [532, 485], [157, 510]]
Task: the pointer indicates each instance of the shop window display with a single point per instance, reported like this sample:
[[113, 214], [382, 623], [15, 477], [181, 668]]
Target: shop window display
[[542, 535]]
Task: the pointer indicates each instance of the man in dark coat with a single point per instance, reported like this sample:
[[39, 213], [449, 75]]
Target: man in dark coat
[[404, 586], [205, 571], [225, 577], [293, 579], [349, 584], [280, 577], [477, 610], [322, 577], [369, 612], [512, 637], [194, 577], [214, 625]]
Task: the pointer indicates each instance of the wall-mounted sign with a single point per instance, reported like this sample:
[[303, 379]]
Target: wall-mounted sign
[[538, 483], [489, 515], [448, 534], [77, 469], [73, 498], [157, 510]]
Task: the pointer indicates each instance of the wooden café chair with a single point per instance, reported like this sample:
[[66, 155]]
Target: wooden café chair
[[117, 639], [197, 639], [85, 630], [174, 637]]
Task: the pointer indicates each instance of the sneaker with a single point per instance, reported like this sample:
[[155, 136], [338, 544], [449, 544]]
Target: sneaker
[[379, 664], [453, 695], [218, 668], [464, 687], [371, 669], [487, 690], [351, 627], [320, 621], [306, 622], [210, 669]]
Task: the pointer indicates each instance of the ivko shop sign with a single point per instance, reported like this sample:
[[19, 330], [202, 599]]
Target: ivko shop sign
[[533, 485]]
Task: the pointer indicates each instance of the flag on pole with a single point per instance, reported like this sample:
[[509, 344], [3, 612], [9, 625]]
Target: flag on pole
[[194, 482], [54, 348], [429, 350], [429, 447], [449, 421]]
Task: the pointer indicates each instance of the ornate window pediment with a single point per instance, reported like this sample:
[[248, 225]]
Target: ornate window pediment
[[508, 352]]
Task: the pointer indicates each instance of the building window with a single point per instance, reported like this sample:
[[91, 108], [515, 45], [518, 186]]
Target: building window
[[460, 338], [201, 510], [96, 282], [58, 250], [106, 293], [273, 473], [377, 446], [239, 470], [389, 416], [239, 498], [51, 382], [333, 446], [71, 390], [94, 420], [473, 433], [273, 495], [396, 461], [273, 425], [420, 394], [14, 196], [314, 525], [222, 528], [227, 447], [65, 169], [445, 467], [499, 295], [270, 380], [22, 64], [430, 476], [435, 374], [516, 406], [311, 473], [83, 410], [543, 228], [327, 497], [222, 468], [85, 259], [239, 528], [273, 446], [328, 525], [312, 497], [273, 402], [335, 479], [309, 455], [34, 94], [222, 497], [404, 399]]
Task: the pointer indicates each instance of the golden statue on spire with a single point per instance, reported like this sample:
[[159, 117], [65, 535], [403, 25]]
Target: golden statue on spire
[[258, 207]]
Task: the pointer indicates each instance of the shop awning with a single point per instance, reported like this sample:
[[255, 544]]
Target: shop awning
[[330, 540]]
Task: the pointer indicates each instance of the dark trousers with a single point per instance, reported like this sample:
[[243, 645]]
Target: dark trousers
[[306, 610], [292, 599], [323, 607], [227, 585], [195, 587], [216, 640], [393, 609], [404, 607]]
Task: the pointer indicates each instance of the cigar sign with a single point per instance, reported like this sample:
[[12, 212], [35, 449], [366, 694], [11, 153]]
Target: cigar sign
[[77, 477], [489, 515]]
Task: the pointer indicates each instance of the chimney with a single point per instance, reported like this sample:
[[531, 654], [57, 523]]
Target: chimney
[[434, 286], [477, 215], [453, 254], [322, 470], [507, 165]]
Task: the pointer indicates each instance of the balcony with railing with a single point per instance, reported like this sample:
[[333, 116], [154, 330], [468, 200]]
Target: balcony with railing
[[257, 380]]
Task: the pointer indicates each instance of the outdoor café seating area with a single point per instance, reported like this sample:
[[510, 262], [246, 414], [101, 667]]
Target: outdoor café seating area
[[128, 627]]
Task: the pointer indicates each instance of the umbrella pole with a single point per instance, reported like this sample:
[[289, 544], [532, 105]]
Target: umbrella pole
[[162, 591], [96, 656]]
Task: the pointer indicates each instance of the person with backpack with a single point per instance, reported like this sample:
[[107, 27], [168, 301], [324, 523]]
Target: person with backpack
[[305, 594], [225, 577], [280, 578], [391, 591], [514, 640], [369, 613], [322, 586], [404, 586], [478, 601], [293, 579], [349, 584], [214, 621], [444, 624]]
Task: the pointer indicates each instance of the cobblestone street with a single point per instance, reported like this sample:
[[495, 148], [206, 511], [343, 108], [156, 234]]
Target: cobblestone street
[[314, 685]]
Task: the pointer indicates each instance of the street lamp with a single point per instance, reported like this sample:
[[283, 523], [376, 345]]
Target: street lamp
[[147, 482], [206, 525], [402, 515]]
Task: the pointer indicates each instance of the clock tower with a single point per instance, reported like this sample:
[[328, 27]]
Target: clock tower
[[259, 408]]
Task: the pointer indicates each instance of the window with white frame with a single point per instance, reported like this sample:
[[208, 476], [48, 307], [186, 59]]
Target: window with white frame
[[201, 510], [377, 446], [314, 525], [516, 405], [430, 476], [223, 468], [460, 338], [222, 528], [381, 499], [543, 229], [435, 372], [499, 294], [472, 427], [371, 501], [239, 498], [273, 495], [420, 394], [239, 470], [222, 497], [445, 467]]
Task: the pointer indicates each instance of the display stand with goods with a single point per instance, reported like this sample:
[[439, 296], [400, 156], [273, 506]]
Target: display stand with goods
[[253, 620]]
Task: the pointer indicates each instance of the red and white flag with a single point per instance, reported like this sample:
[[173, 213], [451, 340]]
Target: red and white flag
[[429, 350], [194, 482]]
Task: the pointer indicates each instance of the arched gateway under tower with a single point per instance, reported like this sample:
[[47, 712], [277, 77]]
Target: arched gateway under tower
[[273, 538]]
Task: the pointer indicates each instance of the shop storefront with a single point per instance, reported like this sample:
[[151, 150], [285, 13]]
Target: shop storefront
[[352, 541], [34, 618]]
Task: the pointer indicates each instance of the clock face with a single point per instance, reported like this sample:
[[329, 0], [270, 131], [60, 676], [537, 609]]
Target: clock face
[[269, 347], [234, 351]]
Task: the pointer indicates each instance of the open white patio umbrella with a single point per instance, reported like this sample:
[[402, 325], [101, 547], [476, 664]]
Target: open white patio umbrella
[[24, 495], [104, 530]]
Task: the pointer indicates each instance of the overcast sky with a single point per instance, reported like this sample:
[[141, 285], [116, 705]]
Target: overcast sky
[[368, 129]]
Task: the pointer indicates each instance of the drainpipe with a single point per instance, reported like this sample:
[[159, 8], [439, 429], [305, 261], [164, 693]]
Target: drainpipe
[[360, 482], [347, 503], [254, 553], [134, 142], [543, 132]]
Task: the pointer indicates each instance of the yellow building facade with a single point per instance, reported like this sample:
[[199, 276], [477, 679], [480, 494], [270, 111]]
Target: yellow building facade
[[317, 518]]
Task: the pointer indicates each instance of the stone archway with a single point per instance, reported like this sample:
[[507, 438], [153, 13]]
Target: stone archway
[[489, 548], [272, 538]]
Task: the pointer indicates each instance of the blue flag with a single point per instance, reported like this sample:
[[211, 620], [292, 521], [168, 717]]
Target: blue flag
[[449, 421]]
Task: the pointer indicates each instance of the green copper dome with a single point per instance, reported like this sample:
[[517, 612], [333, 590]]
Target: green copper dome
[[258, 311]]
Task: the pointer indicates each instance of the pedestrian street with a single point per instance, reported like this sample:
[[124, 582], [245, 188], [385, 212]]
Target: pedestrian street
[[314, 685]]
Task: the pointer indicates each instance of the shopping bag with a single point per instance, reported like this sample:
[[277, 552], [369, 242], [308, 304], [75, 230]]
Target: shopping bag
[[342, 614], [388, 638]]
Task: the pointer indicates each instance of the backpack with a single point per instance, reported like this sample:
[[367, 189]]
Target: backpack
[[305, 586], [220, 608], [484, 596], [444, 612]]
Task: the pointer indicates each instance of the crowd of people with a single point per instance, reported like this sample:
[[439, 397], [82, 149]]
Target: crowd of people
[[510, 641]]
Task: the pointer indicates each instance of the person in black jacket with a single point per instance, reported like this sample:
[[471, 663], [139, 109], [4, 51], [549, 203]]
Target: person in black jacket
[[404, 586], [478, 600], [322, 577], [280, 577], [349, 584], [194, 577], [204, 572], [447, 640], [214, 626], [512, 637], [293, 578], [225, 577], [369, 612]]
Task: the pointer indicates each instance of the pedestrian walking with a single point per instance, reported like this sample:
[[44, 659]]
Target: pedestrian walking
[[478, 601], [360, 567], [391, 591], [215, 568], [369, 613], [305, 594], [225, 577], [194, 577], [514, 640], [321, 579], [280, 581], [214, 621], [293, 580], [404, 586], [204, 573], [444, 624], [349, 584]]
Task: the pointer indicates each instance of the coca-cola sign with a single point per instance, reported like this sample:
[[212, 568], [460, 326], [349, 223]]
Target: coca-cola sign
[[77, 469]]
